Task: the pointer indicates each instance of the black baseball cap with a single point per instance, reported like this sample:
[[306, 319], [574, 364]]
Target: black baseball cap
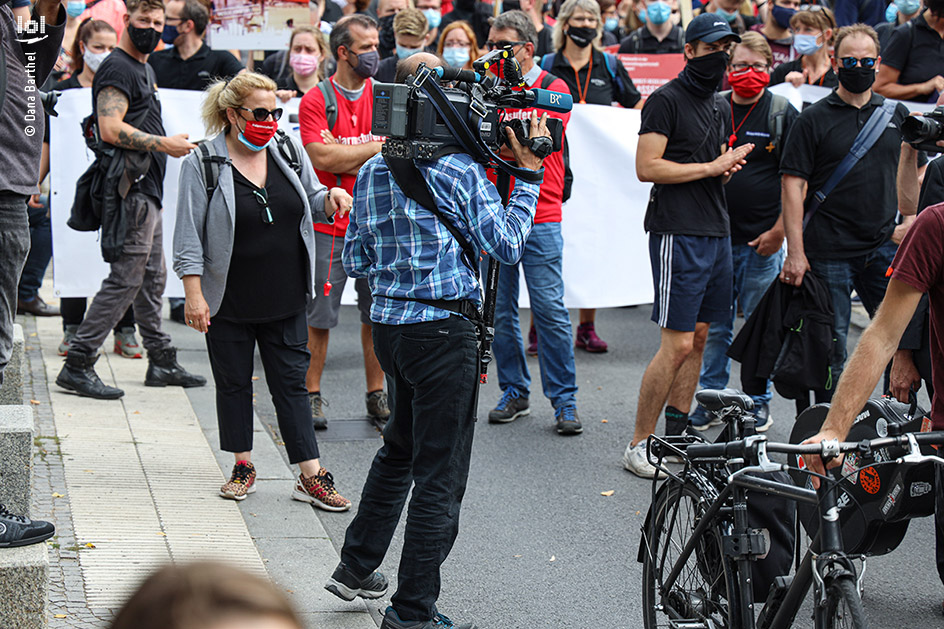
[[709, 28]]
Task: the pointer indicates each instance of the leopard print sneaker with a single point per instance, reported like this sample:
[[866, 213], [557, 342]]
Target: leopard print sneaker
[[241, 483], [319, 490]]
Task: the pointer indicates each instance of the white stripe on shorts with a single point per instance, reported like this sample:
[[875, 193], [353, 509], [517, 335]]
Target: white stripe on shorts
[[665, 278]]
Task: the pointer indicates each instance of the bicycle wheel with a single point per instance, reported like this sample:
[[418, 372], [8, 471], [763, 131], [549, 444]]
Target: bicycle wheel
[[705, 587], [843, 605]]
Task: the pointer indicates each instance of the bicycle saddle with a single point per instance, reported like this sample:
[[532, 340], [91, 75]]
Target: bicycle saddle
[[718, 399]]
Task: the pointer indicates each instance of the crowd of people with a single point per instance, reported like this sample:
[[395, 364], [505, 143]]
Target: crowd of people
[[748, 193]]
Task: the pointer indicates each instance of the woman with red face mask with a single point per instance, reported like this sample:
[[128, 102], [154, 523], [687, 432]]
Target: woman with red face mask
[[753, 197], [244, 248]]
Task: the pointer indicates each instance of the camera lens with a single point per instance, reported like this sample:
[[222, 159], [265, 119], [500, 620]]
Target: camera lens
[[918, 129]]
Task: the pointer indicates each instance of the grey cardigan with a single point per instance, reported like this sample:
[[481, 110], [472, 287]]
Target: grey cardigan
[[203, 236]]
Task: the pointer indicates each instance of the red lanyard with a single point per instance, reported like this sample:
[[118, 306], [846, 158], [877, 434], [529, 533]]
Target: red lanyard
[[582, 94], [733, 138]]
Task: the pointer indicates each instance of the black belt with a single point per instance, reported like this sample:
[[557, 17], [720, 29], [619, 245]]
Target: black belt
[[464, 307]]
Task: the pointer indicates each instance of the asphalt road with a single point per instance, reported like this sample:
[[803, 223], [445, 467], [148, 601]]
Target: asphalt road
[[539, 546]]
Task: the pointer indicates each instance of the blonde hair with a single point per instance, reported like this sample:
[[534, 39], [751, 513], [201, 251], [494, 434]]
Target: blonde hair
[[464, 26], [821, 19], [857, 29], [225, 94], [410, 22], [754, 41], [567, 11], [320, 41]]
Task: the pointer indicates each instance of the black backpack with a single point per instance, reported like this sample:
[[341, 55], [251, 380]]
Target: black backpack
[[778, 111]]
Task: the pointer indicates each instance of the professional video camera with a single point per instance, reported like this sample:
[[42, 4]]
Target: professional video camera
[[440, 110], [924, 132]]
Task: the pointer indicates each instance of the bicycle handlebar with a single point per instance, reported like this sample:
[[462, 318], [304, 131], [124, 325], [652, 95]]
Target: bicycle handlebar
[[743, 447]]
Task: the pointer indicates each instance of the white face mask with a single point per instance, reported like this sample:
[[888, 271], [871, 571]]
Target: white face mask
[[94, 59]]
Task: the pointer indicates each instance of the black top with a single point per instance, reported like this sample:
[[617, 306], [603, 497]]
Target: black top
[[269, 267], [917, 51], [194, 72], [696, 128], [545, 40], [287, 82], [601, 89], [387, 70], [68, 84], [132, 78], [858, 216], [478, 17], [932, 187], [884, 31], [754, 191], [643, 42], [779, 74]]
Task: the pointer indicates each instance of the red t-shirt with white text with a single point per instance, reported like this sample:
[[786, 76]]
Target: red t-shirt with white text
[[552, 190], [352, 127], [919, 263]]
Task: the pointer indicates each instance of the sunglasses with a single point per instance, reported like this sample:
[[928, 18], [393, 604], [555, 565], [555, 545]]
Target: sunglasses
[[261, 113], [812, 8], [850, 62], [492, 45], [262, 198]]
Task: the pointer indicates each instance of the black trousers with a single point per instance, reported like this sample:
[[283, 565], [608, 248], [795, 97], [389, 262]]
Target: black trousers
[[283, 346], [431, 379]]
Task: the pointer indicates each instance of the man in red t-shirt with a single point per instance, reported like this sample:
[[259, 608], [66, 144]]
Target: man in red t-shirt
[[542, 263], [337, 153]]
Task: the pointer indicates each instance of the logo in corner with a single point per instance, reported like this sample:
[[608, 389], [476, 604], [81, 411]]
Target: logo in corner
[[31, 31]]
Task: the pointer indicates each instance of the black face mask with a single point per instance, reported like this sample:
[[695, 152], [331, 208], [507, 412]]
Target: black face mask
[[583, 36], [703, 74], [387, 39], [857, 80], [511, 5], [464, 5], [144, 39]]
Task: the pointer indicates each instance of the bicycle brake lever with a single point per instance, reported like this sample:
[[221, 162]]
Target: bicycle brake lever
[[914, 455], [764, 464]]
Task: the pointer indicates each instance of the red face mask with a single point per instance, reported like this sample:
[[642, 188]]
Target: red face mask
[[258, 134], [748, 83]]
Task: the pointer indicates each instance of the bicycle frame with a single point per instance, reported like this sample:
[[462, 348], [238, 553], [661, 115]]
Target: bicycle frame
[[741, 544]]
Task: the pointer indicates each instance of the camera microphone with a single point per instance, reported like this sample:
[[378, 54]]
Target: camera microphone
[[551, 101], [455, 74]]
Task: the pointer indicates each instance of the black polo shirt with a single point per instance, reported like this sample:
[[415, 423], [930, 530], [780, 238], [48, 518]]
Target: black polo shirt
[[858, 216], [643, 42], [696, 128], [194, 72], [753, 193], [601, 87], [916, 50], [779, 75]]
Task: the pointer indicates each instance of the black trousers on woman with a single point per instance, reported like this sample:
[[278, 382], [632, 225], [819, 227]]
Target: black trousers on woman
[[283, 346]]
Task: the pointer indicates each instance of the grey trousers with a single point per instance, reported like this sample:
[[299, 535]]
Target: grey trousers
[[14, 247], [138, 277]]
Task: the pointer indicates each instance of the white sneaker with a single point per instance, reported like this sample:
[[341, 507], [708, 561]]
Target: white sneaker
[[635, 461]]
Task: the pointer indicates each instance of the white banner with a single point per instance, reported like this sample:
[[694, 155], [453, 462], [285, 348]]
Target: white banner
[[606, 260]]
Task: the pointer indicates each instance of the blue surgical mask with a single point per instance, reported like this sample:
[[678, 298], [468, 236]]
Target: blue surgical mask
[[611, 24], [433, 18], [730, 16], [908, 7], [642, 16], [806, 44], [75, 8], [457, 56], [659, 12], [403, 52]]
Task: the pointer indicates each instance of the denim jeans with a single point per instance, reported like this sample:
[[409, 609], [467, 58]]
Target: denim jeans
[[865, 274], [542, 261], [14, 247], [432, 377], [753, 274], [40, 253]]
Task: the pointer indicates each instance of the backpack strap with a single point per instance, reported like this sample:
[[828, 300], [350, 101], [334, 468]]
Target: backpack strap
[[681, 38], [778, 112], [547, 80], [331, 102], [547, 61], [635, 42], [289, 151], [611, 62], [212, 163]]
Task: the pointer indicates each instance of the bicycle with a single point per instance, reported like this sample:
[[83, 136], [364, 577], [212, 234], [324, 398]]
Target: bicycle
[[697, 546]]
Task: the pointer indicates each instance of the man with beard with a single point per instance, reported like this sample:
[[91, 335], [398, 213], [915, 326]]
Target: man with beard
[[683, 150]]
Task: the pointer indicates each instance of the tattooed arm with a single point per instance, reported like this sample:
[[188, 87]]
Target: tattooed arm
[[112, 105]]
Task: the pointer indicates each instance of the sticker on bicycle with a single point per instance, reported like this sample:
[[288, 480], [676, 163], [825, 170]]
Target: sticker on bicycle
[[920, 488], [849, 466], [891, 498], [870, 480], [926, 424]]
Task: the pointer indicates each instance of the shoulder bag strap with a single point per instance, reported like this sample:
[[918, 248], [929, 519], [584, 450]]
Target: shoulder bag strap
[[868, 136], [331, 102], [289, 151]]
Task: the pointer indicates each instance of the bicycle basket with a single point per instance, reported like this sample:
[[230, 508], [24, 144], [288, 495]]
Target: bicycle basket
[[888, 495]]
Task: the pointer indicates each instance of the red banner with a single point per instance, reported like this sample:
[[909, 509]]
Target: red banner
[[650, 71]]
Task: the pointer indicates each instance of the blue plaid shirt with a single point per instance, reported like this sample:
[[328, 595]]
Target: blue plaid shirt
[[405, 251]]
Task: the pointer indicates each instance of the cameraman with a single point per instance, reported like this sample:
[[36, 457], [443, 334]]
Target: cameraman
[[430, 357]]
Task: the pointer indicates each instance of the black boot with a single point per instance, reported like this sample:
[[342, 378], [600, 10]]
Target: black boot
[[163, 370], [78, 374]]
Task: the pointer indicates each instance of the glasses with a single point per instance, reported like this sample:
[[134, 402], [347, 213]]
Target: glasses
[[741, 67], [812, 8], [262, 198], [850, 62], [492, 45], [261, 113]]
